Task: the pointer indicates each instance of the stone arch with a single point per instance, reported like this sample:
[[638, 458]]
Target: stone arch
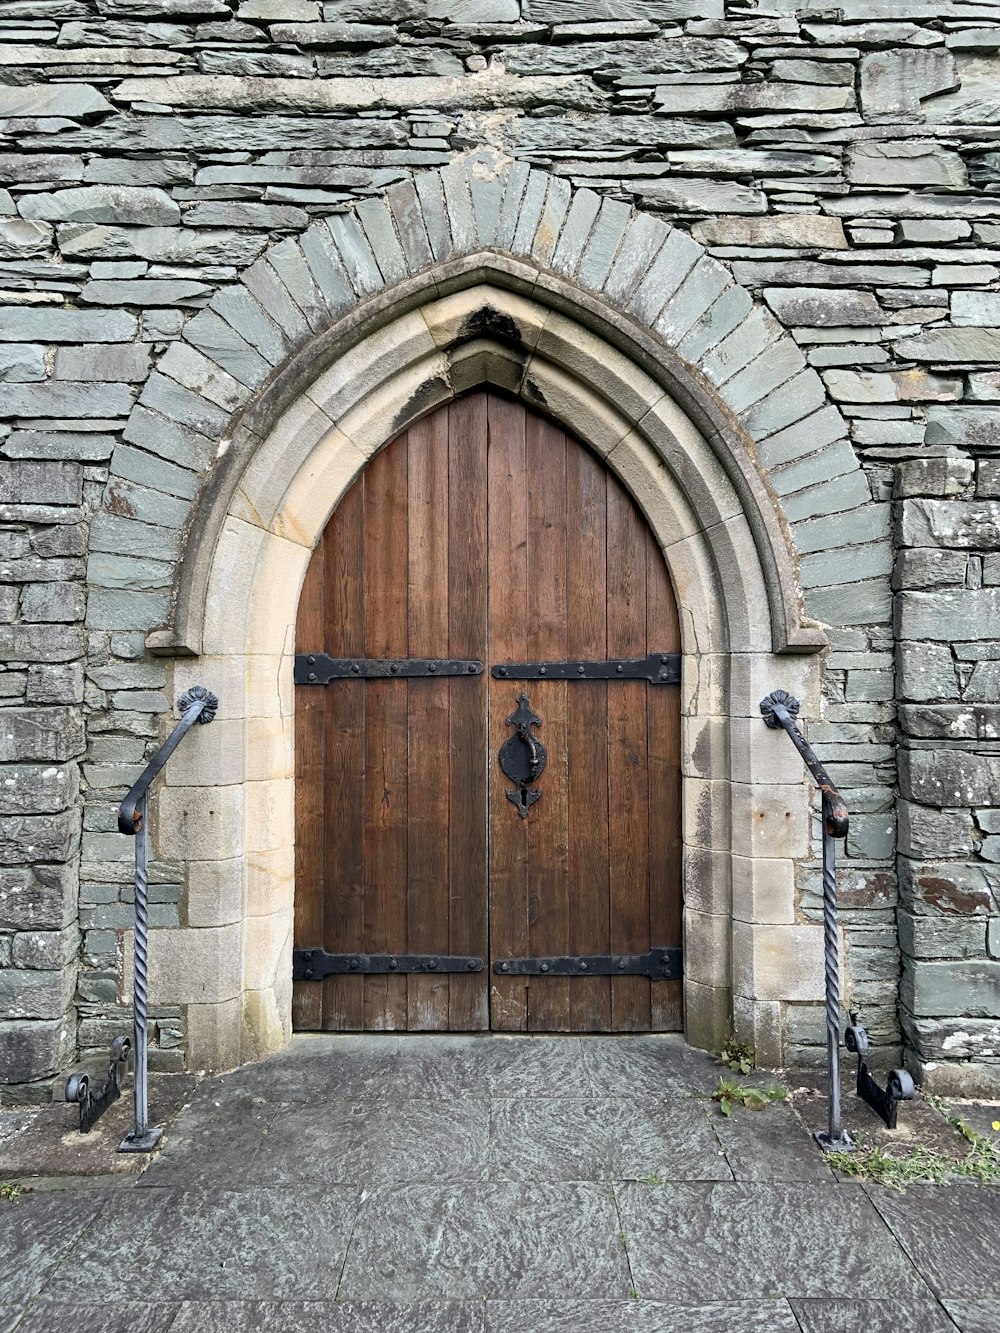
[[624, 330]]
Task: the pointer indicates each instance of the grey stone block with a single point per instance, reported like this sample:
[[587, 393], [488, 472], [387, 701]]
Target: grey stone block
[[101, 362], [20, 239], [938, 936], [967, 524], [950, 777], [113, 608], [691, 194], [145, 291], [38, 897], [41, 643], [125, 536], [50, 734], [38, 789], [66, 399], [55, 683], [54, 601], [32, 1050], [167, 245], [971, 427], [271, 217], [893, 83], [947, 616], [47, 950], [122, 204], [47, 838], [924, 832], [819, 307], [72, 326], [21, 362], [864, 603], [220, 342], [966, 988], [51, 100]]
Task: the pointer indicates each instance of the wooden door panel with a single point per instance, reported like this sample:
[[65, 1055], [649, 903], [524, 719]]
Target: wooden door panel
[[487, 532]]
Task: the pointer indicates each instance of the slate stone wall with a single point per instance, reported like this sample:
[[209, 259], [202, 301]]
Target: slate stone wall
[[843, 163]]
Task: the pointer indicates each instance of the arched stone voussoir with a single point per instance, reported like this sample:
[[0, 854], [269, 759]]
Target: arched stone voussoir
[[490, 271]]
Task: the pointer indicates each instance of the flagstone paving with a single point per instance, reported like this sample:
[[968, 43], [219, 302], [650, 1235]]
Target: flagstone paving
[[484, 1185]]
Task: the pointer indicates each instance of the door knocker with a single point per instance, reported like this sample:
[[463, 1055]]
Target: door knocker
[[523, 757]]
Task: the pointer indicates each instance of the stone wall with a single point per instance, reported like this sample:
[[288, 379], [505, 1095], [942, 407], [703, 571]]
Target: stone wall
[[840, 164]]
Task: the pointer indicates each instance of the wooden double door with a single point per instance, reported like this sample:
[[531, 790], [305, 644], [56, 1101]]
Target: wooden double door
[[483, 539]]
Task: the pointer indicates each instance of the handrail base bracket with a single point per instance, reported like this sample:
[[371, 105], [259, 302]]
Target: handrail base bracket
[[94, 1104], [899, 1085], [141, 1142], [832, 1143]]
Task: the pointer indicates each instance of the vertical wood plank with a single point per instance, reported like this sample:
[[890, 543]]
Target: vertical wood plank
[[587, 734], [429, 764], [663, 723], [310, 787], [343, 928], [467, 817], [628, 788], [547, 822], [385, 578], [508, 610]]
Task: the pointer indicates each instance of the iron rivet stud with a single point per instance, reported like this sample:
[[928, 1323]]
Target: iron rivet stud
[[432, 669], [355, 964], [545, 967], [394, 668], [432, 963], [581, 671], [619, 668], [308, 974], [583, 965], [310, 659], [621, 964], [503, 671], [355, 668], [393, 964], [663, 660], [312, 675], [543, 671], [472, 965], [505, 967]]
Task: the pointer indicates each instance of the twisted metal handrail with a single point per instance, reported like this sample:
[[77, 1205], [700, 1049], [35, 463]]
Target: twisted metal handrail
[[196, 705], [780, 710]]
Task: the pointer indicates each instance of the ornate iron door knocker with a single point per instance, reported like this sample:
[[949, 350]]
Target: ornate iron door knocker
[[523, 757]]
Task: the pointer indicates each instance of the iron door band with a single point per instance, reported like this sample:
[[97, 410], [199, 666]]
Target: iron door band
[[321, 669], [315, 964], [657, 964], [655, 669]]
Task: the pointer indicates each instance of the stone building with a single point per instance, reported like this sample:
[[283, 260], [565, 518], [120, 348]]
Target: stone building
[[747, 255]]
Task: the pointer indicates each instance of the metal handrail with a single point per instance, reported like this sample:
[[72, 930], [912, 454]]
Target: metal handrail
[[196, 705], [780, 710]]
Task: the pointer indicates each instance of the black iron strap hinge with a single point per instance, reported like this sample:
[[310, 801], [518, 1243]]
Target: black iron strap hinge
[[314, 964], [657, 669], [658, 965], [319, 669]]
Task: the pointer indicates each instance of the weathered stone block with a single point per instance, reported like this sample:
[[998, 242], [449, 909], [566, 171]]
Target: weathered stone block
[[970, 524], [48, 950], [957, 344], [893, 83], [32, 1050], [905, 162], [938, 936], [99, 362], [819, 307], [20, 362], [122, 204], [792, 230], [950, 777], [67, 326], [908, 386], [51, 100], [55, 601], [956, 988], [932, 477], [52, 483], [924, 832], [945, 615]]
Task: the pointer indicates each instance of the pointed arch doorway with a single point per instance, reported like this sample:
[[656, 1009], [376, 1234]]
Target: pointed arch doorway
[[478, 884]]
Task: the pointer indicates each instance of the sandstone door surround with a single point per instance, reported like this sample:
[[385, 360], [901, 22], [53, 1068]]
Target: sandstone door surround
[[620, 327]]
